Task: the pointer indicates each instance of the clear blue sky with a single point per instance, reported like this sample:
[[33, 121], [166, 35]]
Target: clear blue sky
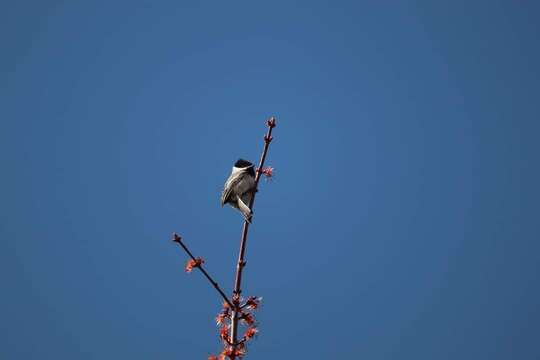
[[402, 222]]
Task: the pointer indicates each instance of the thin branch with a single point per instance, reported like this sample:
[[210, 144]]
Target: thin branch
[[241, 341], [271, 123], [177, 239]]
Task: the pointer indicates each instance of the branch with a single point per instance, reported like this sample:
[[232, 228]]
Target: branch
[[271, 123], [177, 239]]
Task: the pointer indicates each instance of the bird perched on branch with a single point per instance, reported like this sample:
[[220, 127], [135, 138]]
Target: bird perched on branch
[[239, 188]]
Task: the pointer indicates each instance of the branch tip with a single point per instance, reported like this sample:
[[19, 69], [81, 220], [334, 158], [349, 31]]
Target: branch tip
[[271, 122], [176, 238]]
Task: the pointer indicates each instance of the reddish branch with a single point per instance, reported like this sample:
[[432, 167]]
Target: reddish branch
[[271, 123], [233, 310], [197, 263]]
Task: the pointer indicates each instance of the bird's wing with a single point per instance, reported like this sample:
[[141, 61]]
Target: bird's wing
[[230, 184], [246, 184], [242, 182]]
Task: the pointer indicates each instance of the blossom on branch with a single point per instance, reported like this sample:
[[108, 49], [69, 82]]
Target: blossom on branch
[[229, 352], [268, 172], [253, 302], [247, 318], [251, 332], [222, 316], [224, 333], [193, 264]]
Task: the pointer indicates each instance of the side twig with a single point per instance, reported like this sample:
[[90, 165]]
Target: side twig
[[271, 123], [177, 239]]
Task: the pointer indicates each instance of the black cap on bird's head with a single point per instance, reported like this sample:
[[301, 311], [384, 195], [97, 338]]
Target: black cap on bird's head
[[241, 163]]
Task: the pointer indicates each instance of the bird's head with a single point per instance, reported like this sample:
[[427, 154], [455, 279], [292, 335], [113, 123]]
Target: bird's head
[[241, 163]]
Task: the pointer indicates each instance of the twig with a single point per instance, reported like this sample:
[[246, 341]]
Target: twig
[[177, 239], [271, 123]]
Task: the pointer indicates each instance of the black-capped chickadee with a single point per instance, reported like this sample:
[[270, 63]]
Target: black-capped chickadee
[[239, 188]]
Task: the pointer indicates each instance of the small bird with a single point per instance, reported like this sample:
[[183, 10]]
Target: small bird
[[239, 188]]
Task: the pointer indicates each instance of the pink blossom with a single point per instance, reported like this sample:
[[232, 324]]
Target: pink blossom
[[193, 264]]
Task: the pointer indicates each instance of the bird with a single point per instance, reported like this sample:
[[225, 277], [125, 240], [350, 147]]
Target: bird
[[240, 187]]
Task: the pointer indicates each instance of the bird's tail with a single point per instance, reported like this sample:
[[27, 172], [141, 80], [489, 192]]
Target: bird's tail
[[246, 211]]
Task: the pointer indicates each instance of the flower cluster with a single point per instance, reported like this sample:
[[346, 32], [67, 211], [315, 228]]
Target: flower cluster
[[193, 264], [244, 310], [251, 332], [222, 316], [230, 352], [252, 303], [268, 172]]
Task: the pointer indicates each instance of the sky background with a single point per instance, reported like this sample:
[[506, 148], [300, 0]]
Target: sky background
[[402, 222]]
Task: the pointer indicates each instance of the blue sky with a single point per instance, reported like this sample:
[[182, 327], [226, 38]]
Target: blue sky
[[402, 222]]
